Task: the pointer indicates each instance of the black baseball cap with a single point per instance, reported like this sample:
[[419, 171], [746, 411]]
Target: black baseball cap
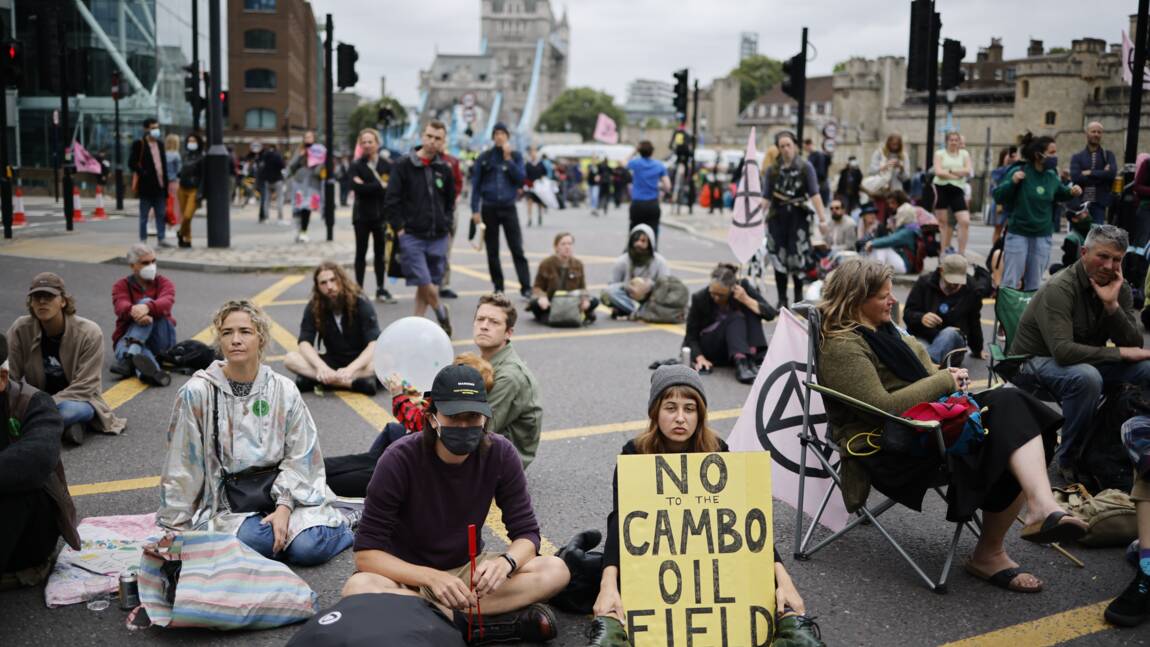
[[459, 389]]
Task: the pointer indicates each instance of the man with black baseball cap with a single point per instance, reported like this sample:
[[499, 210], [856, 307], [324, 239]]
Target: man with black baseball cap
[[497, 176], [452, 471]]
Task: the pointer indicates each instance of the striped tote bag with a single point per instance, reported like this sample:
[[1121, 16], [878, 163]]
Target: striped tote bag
[[212, 580]]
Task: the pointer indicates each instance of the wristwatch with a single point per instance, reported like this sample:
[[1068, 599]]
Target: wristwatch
[[510, 560]]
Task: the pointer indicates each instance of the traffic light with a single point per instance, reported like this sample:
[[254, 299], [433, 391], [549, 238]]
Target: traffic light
[[13, 63], [224, 102], [952, 75], [192, 85], [795, 76], [346, 56], [681, 92], [922, 40]]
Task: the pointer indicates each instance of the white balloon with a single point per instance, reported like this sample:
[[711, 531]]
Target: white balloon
[[415, 348]]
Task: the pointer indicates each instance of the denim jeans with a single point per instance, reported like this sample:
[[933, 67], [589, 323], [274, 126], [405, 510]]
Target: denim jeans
[[74, 412], [616, 294], [159, 203], [1097, 212], [594, 197], [1025, 258], [158, 337], [312, 547], [947, 340], [1078, 387]]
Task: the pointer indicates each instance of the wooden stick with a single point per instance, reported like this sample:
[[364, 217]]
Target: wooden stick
[[1059, 548]]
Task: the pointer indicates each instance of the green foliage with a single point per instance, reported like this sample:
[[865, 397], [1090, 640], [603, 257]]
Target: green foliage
[[653, 123], [841, 66], [366, 115], [579, 108], [1058, 50], [756, 75]]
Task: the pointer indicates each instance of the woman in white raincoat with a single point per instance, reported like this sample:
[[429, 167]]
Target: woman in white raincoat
[[262, 422]]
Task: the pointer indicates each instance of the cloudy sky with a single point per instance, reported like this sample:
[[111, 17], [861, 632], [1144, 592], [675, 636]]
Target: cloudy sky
[[614, 41]]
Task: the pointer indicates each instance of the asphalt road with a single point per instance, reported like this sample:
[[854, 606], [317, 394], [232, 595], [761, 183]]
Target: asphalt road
[[593, 381]]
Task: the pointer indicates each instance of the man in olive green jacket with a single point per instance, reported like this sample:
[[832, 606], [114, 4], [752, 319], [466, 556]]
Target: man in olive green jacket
[[1067, 326], [514, 399]]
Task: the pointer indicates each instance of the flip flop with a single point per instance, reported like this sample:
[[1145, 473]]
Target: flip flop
[[1052, 530], [1005, 579]]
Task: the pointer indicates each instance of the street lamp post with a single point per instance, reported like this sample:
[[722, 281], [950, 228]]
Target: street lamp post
[[219, 225], [118, 143]]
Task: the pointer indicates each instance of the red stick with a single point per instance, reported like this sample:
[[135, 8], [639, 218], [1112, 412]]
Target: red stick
[[471, 551]]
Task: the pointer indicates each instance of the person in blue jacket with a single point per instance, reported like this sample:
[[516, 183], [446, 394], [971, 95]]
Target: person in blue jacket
[[498, 174]]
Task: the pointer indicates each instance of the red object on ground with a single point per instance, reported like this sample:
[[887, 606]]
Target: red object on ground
[[18, 217], [99, 213], [471, 550], [77, 208]]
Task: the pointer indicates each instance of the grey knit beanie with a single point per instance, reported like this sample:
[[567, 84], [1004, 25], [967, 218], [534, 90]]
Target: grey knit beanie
[[670, 375]]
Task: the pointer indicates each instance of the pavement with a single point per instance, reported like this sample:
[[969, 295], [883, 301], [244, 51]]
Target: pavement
[[593, 385]]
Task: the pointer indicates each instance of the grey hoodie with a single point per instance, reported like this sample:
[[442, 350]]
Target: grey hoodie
[[624, 269]]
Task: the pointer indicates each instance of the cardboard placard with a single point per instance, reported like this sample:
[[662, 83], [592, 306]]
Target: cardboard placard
[[697, 549]]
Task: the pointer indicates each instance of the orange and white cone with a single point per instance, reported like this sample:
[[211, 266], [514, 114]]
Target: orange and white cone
[[99, 213], [77, 208], [18, 217]]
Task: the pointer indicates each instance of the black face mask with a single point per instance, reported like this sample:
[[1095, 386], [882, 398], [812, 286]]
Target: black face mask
[[1050, 162], [460, 441]]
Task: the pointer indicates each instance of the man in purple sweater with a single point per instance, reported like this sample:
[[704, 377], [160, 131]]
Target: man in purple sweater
[[427, 488]]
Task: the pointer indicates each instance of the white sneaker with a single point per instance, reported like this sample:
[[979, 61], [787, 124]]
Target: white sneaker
[[301, 237], [283, 223]]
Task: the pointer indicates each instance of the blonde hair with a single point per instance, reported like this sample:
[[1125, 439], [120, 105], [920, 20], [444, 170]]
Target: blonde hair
[[847, 287], [770, 156], [259, 320], [373, 132], [172, 142]]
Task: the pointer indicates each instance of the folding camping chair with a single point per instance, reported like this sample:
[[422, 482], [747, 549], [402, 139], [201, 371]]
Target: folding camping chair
[[823, 450], [1008, 308]]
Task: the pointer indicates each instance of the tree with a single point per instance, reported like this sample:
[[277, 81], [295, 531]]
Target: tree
[[756, 75], [366, 115], [577, 110], [841, 66]]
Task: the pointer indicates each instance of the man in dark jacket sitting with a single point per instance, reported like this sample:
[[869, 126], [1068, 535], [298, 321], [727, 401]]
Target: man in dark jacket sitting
[[34, 499], [944, 312], [725, 324]]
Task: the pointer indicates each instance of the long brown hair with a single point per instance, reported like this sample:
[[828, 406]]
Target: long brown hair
[[345, 302], [852, 283], [652, 441]]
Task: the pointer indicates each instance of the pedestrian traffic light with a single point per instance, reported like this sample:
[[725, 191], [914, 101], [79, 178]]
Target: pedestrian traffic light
[[952, 75], [192, 85], [13, 63], [795, 76], [681, 92], [345, 64], [224, 102]]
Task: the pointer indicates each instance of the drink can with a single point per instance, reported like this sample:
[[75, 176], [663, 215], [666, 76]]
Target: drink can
[[685, 356], [129, 591]]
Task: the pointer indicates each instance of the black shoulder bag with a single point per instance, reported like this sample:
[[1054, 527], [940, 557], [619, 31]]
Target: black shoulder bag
[[251, 489]]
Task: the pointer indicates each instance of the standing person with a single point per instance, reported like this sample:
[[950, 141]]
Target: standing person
[[650, 179], [1094, 168], [307, 185], [367, 215], [173, 162], [620, 178], [561, 272], [418, 205], [445, 291], [605, 184], [150, 179], [952, 166], [790, 183], [343, 177], [145, 327], [499, 173], [272, 180], [850, 181], [533, 170], [892, 161], [1030, 191], [1001, 213], [822, 164], [191, 190], [593, 179]]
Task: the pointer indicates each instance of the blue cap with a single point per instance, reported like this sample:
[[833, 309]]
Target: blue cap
[[499, 125]]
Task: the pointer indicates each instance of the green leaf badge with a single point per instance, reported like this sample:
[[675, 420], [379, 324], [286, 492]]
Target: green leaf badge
[[1040, 190], [439, 183], [261, 408]]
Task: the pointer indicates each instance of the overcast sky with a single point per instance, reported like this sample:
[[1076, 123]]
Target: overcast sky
[[615, 41]]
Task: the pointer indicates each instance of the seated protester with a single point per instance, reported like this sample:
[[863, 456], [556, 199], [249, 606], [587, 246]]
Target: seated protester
[[944, 312], [345, 323], [868, 227], [561, 273], [1080, 223], [516, 411], [34, 497], [897, 248], [874, 363], [428, 488], [634, 273], [725, 324], [410, 407], [236, 415], [677, 409], [145, 327], [1065, 330], [1132, 606], [62, 354], [842, 232]]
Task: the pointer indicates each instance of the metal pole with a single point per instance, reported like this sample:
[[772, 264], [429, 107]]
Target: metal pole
[[198, 103], [119, 143], [216, 163], [65, 131], [6, 176], [329, 137], [932, 76], [802, 89], [694, 142], [1136, 84]]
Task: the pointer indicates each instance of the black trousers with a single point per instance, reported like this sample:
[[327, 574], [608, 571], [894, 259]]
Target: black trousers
[[304, 216], [30, 530], [377, 232], [506, 217], [736, 335], [645, 212]]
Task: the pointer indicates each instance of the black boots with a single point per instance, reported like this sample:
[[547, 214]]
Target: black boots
[[365, 385], [535, 624], [150, 372], [745, 370], [1132, 607]]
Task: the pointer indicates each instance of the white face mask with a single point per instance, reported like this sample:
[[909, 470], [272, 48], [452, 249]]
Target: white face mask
[[155, 133], [148, 272], [193, 146]]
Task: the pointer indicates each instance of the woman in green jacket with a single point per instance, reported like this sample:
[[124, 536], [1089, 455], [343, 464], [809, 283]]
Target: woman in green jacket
[[879, 364]]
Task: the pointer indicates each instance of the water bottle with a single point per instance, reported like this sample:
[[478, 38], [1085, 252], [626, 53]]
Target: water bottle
[[685, 356]]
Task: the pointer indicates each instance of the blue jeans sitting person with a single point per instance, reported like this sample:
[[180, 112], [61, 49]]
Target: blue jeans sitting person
[[945, 342], [136, 351], [311, 547]]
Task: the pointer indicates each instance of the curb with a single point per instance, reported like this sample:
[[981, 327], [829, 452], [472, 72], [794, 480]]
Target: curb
[[224, 268]]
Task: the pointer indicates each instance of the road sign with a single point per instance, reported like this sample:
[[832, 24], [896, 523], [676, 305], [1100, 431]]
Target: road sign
[[469, 100], [830, 131], [469, 115], [828, 146]]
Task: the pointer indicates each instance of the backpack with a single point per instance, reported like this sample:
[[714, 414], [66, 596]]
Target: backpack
[[586, 567], [188, 356], [667, 302], [378, 619], [565, 312], [1110, 516], [1134, 270], [982, 282], [1103, 461]]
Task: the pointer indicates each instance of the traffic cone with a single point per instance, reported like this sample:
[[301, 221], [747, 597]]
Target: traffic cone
[[77, 208], [99, 213], [18, 218]]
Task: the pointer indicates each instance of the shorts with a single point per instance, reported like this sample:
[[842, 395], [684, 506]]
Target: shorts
[[463, 573], [1141, 489], [948, 196], [423, 259]]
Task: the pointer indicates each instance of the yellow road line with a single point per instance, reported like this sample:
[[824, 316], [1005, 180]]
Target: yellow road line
[[633, 425], [583, 332], [368, 409], [272, 292], [1051, 630], [106, 487], [483, 276], [122, 391]]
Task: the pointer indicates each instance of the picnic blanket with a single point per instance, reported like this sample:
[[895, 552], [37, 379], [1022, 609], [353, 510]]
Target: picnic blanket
[[108, 546]]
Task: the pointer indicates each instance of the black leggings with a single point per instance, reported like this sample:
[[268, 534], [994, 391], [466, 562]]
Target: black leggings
[[781, 286], [378, 234], [304, 218]]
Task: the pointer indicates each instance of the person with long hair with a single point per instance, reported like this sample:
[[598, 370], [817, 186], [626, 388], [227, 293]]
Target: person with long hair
[[307, 186], [1029, 190], [876, 363], [677, 424], [239, 415], [345, 324], [952, 167], [725, 324], [367, 180], [1001, 213], [790, 183], [891, 160]]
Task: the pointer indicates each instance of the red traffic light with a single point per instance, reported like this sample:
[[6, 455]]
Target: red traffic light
[[12, 52]]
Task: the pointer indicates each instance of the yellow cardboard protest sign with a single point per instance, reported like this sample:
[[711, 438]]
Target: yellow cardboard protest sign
[[697, 549]]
